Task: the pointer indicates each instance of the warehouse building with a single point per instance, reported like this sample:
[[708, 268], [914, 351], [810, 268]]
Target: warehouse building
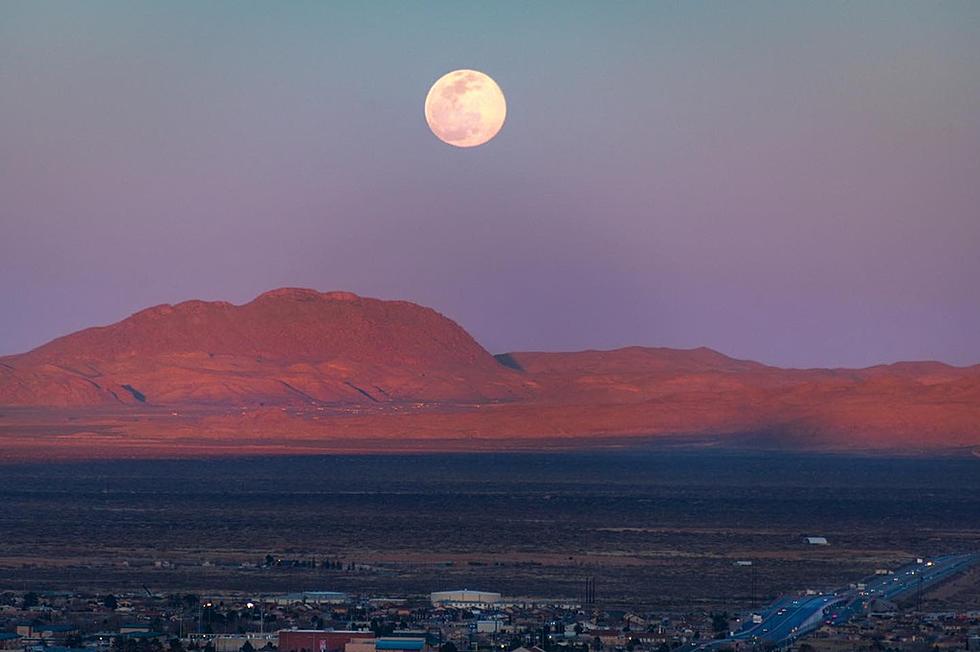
[[310, 597], [318, 640], [465, 599]]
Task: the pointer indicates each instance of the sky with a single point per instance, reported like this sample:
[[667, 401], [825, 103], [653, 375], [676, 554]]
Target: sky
[[795, 183]]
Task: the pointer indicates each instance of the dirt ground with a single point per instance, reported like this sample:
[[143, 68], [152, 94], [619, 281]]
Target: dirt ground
[[661, 530]]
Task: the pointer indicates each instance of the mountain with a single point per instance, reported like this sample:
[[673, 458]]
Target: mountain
[[286, 346], [301, 371], [904, 406]]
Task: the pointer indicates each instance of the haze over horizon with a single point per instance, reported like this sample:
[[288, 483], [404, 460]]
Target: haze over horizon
[[789, 184]]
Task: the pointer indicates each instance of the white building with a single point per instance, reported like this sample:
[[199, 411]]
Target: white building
[[465, 599], [310, 597], [490, 627]]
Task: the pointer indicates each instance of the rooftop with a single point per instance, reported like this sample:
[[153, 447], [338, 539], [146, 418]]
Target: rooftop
[[399, 644]]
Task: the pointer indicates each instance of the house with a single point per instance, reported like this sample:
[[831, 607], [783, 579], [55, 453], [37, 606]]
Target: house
[[634, 621]]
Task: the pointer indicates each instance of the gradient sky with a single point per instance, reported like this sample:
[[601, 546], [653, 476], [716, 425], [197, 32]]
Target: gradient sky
[[797, 183]]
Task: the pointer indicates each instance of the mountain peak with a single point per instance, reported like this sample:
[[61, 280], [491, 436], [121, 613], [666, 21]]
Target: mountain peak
[[286, 344], [306, 294]]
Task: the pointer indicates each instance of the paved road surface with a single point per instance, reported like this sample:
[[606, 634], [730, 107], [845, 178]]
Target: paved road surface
[[788, 618]]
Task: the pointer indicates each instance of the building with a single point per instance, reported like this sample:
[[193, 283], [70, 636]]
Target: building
[[145, 636], [389, 644], [465, 599], [393, 644], [45, 633], [608, 637], [318, 640], [489, 627], [132, 628], [360, 645], [235, 642], [10, 641], [310, 597]]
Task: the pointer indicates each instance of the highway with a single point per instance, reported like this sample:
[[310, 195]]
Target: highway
[[790, 617], [903, 583], [909, 579]]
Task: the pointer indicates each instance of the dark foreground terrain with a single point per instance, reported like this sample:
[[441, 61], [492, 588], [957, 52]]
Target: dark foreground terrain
[[656, 528]]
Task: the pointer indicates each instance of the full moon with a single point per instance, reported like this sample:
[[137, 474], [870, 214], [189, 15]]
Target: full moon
[[465, 108]]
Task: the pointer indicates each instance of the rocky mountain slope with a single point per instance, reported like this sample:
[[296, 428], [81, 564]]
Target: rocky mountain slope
[[286, 346], [298, 369]]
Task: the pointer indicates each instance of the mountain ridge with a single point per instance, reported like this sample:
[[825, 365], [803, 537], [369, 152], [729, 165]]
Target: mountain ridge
[[296, 365]]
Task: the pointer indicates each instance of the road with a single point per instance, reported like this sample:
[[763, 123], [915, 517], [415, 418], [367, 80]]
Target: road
[[790, 617], [903, 583]]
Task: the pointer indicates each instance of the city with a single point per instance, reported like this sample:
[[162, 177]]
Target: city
[[881, 612]]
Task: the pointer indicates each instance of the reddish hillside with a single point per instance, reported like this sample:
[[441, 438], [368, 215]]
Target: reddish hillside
[[296, 370], [286, 346], [909, 405]]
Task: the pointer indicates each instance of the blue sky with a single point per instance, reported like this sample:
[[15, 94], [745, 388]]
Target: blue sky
[[788, 182]]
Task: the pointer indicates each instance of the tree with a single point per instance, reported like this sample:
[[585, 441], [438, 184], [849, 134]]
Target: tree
[[110, 602], [448, 646], [30, 600], [247, 647]]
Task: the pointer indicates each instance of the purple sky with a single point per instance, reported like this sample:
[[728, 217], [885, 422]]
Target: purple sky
[[797, 183]]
